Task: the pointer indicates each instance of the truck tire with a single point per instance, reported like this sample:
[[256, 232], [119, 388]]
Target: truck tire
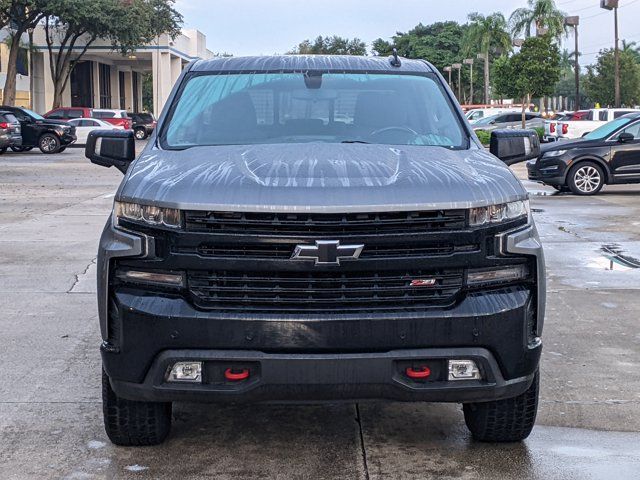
[[129, 423], [586, 178], [508, 420], [49, 143]]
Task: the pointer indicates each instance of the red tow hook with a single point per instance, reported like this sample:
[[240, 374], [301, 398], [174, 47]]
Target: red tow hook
[[234, 375], [418, 373]]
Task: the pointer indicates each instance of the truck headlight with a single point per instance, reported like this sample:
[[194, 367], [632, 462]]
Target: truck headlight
[[554, 153], [503, 212], [491, 276], [147, 214]]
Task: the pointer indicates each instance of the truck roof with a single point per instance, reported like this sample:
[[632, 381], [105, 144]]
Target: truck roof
[[303, 63]]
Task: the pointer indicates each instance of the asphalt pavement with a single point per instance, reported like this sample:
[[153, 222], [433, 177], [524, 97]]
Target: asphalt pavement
[[52, 210]]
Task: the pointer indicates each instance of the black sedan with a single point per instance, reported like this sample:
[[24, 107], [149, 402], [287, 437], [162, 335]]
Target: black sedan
[[608, 155]]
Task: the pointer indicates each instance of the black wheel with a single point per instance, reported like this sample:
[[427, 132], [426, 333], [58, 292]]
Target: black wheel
[[561, 188], [509, 420], [140, 133], [49, 143], [130, 423], [586, 178], [3, 150]]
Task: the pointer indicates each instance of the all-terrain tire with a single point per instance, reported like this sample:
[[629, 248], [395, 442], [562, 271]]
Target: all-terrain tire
[[130, 423], [508, 420]]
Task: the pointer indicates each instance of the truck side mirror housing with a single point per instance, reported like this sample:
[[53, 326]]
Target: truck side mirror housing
[[513, 146], [625, 137], [111, 148]]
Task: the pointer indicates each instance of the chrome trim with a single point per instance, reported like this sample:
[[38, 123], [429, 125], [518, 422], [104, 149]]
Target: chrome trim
[[327, 252]]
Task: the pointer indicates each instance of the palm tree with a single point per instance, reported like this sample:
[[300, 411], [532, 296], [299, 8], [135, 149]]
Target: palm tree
[[541, 13], [488, 33]]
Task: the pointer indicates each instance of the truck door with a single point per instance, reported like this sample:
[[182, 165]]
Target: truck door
[[625, 156]]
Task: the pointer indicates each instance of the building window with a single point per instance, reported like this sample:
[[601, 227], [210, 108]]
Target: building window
[[134, 80], [122, 91], [104, 74]]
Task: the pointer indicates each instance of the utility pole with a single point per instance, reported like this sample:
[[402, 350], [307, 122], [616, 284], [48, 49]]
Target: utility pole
[[613, 5], [485, 57], [574, 22], [458, 66], [469, 61]]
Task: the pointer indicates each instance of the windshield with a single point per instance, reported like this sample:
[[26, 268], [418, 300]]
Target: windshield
[[607, 129], [259, 108], [33, 114]]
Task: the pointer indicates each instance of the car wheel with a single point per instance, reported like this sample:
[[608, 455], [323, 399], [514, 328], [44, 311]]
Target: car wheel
[[140, 133], [130, 423], [508, 420], [586, 178], [49, 143]]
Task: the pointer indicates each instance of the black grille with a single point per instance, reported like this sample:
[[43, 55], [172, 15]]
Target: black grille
[[268, 251], [301, 224], [323, 291]]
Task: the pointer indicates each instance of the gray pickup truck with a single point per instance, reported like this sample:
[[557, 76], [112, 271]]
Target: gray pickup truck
[[318, 229]]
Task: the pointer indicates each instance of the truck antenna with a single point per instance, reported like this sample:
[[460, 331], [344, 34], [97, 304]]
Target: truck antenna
[[395, 61]]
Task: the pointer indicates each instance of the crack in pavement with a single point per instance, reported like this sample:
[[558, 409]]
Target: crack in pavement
[[78, 275], [363, 450]]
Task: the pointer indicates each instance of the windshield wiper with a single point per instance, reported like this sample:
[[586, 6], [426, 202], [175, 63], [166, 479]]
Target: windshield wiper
[[354, 141]]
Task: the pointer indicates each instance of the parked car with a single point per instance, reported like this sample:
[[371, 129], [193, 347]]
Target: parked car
[[509, 120], [85, 125], [587, 122], [10, 131], [50, 136], [143, 124], [262, 254], [553, 129], [115, 117], [477, 114], [608, 155]]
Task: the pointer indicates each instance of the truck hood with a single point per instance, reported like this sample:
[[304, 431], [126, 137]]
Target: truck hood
[[318, 177]]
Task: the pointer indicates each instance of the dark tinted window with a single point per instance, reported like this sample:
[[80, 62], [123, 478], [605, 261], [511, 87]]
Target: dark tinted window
[[57, 115], [620, 114], [531, 116], [75, 113], [103, 114], [602, 116], [10, 118]]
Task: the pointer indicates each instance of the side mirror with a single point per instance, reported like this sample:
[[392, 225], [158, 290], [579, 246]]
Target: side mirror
[[492, 122], [625, 137], [513, 146], [111, 148]]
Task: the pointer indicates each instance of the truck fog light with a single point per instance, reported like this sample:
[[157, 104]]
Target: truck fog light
[[186, 372], [463, 370], [156, 278]]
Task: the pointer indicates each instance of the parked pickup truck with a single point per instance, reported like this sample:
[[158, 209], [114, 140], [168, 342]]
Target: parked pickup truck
[[318, 229], [581, 123]]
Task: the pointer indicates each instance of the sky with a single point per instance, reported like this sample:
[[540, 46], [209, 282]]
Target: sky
[[265, 27]]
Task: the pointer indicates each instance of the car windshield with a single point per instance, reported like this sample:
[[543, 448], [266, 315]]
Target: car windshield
[[33, 114], [607, 129], [261, 108]]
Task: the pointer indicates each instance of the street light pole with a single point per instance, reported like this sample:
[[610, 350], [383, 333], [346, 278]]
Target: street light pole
[[448, 69], [613, 5], [469, 61], [458, 66], [574, 22], [485, 57]]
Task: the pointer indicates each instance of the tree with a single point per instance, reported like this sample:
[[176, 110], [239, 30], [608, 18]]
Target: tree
[[125, 24], [334, 45], [599, 84], [633, 48], [542, 14], [486, 35], [532, 72], [22, 16]]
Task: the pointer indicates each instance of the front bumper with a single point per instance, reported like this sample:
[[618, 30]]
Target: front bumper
[[67, 139], [286, 378], [549, 173]]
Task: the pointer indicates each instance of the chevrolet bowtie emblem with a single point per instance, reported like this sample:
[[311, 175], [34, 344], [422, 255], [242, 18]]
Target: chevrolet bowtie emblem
[[327, 252]]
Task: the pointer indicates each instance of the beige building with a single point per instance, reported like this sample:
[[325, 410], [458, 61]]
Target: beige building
[[106, 79]]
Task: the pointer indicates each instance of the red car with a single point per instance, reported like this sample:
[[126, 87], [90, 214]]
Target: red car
[[114, 117]]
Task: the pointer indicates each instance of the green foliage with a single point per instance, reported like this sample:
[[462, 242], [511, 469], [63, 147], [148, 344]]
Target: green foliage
[[541, 14], [540, 132], [486, 34], [331, 46], [532, 72], [484, 137], [599, 84]]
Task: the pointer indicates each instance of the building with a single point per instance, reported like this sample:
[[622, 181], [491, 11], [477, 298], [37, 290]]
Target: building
[[106, 79], [22, 78]]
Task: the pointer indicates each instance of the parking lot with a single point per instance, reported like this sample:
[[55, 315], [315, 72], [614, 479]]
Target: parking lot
[[52, 210]]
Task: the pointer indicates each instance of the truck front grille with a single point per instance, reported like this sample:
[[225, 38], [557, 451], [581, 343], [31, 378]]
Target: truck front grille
[[309, 224], [323, 292]]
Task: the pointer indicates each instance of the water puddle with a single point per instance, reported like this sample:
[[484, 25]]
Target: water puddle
[[617, 258]]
